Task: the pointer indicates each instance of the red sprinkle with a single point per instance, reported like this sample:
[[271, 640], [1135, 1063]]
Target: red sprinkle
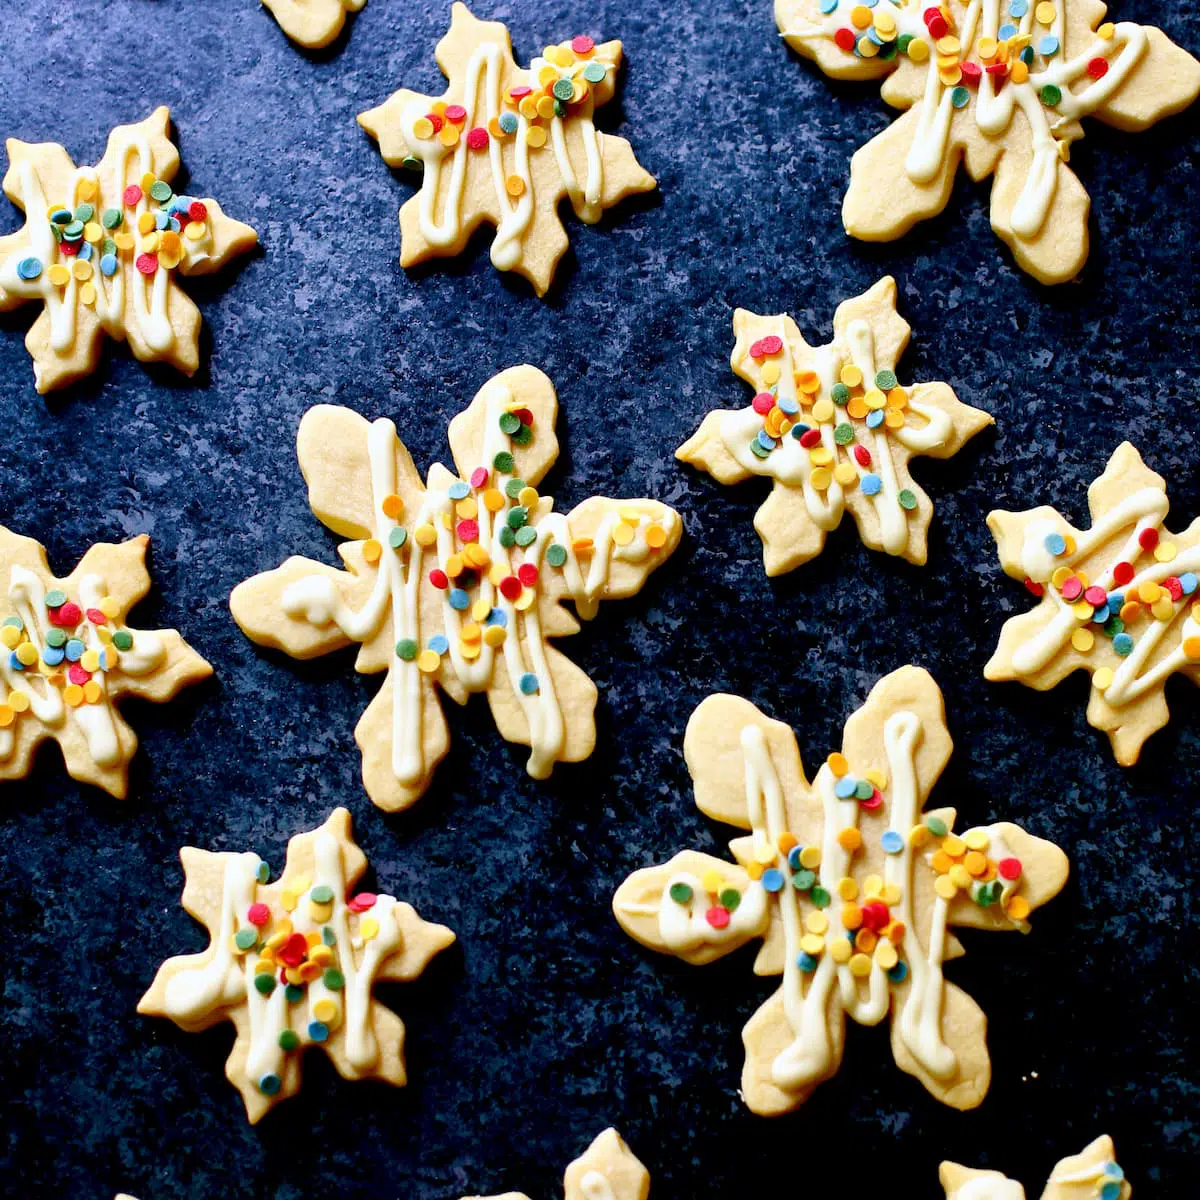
[[810, 438], [1072, 588], [198, 210], [527, 573], [439, 578], [763, 403], [873, 803], [1034, 588], [756, 350], [875, 915], [468, 531], [844, 39], [717, 917], [524, 416], [971, 73], [456, 113], [998, 69], [510, 587], [71, 248], [66, 615], [1009, 868], [1095, 596], [1172, 584], [1123, 572], [478, 138], [436, 121], [863, 455], [96, 616], [1148, 538], [258, 914], [771, 344], [295, 950], [936, 23], [146, 263], [480, 477], [582, 44], [361, 902], [132, 195], [519, 93], [1097, 68], [76, 674]]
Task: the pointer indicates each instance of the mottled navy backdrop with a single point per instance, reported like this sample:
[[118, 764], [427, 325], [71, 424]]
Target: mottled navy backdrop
[[546, 1023]]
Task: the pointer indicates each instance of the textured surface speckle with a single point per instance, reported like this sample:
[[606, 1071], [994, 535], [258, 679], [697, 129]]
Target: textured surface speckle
[[546, 1024]]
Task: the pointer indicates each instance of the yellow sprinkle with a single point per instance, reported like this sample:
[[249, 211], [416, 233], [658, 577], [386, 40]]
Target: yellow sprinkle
[[860, 16], [494, 635], [1083, 640], [711, 881], [821, 478], [810, 857], [525, 600], [477, 556], [545, 107], [428, 661], [149, 179], [82, 270], [18, 702], [622, 533], [847, 888], [885, 23], [809, 382], [1102, 679], [536, 137], [1019, 73], [368, 927], [320, 912], [1106, 31], [289, 900], [1163, 608], [10, 636], [874, 399], [425, 535], [812, 945], [821, 456], [145, 223], [839, 950], [1191, 647], [193, 231], [1148, 593], [1083, 610], [89, 660], [497, 574], [527, 497], [959, 876], [976, 839], [372, 551], [918, 50], [845, 474], [87, 189], [150, 242], [455, 566], [480, 610], [816, 922], [872, 886], [514, 185], [423, 128], [860, 966], [7, 715], [325, 1010], [92, 232], [950, 76], [528, 108], [1045, 13], [264, 966], [1018, 908], [27, 654], [886, 956], [891, 894], [1165, 551], [850, 375], [92, 692], [124, 239], [823, 410], [948, 44], [449, 134], [560, 56], [945, 887], [470, 650], [987, 47]]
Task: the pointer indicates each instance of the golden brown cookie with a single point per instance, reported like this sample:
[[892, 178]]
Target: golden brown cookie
[[458, 582], [1092, 1175], [505, 145], [292, 963], [312, 23], [101, 248], [1001, 85], [851, 886]]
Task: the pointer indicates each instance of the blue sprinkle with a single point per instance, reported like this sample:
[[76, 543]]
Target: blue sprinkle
[[1018, 8], [108, 265], [765, 440], [318, 1030], [794, 858], [788, 406], [804, 960], [1027, 56], [61, 216], [1117, 599], [497, 617], [1188, 582], [74, 650], [269, 1084], [439, 643], [86, 252], [873, 34], [29, 268], [459, 490], [1123, 644], [875, 418], [829, 6], [960, 97], [799, 430], [1048, 46], [459, 599], [772, 879], [13, 623], [529, 684], [898, 973], [1113, 1170], [1101, 614], [892, 842], [870, 3], [104, 659], [15, 663], [871, 485], [509, 122], [1055, 543], [1006, 32], [174, 225], [845, 788], [52, 657], [1110, 1190]]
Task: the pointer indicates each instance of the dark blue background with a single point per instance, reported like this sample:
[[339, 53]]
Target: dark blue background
[[546, 1024]]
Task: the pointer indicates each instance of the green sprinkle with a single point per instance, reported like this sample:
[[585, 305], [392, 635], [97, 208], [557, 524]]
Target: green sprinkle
[[263, 873], [1113, 626], [908, 500], [903, 41], [560, 109], [503, 462], [509, 423], [513, 488], [960, 97], [936, 826], [56, 598], [322, 894], [594, 72], [1050, 95], [288, 1039], [84, 213], [111, 218], [844, 434], [886, 380], [523, 436], [74, 229], [839, 393], [265, 983], [160, 191], [525, 536], [517, 515], [60, 216], [563, 89], [863, 790], [508, 539], [294, 994], [888, 52], [328, 936], [14, 622], [108, 246], [56, 638], [730, 898], [397, 537], [333, 979], [245, 938], [556, 555], [406, 649], [803, 880], [123, 640], [758, 449], [58, 233], [820, 897], [411, 162], [681, 893]]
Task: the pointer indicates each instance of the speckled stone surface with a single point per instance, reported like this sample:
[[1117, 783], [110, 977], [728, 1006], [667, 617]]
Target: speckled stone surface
[[546, 1023]]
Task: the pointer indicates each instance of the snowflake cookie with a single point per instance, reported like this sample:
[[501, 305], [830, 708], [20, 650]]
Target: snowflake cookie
[[67, 656], [458, 581], [1112, 598], [312, 23], [292, 963], [607, 1170], [1092, 1175], [100, 249], [851, 886], [834, 429], [1001, 84], [505, 145]]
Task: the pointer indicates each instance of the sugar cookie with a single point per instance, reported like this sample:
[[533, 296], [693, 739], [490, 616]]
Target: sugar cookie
[[312, 23], [835, 429], [505, 145], [100, 249], [292, 963], [458, 582], [1093, 1174], [851, 886]]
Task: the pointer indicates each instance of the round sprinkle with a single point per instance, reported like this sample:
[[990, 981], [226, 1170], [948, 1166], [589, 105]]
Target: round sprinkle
[[820, 897], [772, 879], [595, 72], [333, 979], [29, 268], [529, 684], [1050, 94], [960, 97], [269, 1084], [681, 893], [556, 554], [892, 842], [265, 983], [503, 462], [908, 501], [318, 1031], [245, 938], [160, 191]]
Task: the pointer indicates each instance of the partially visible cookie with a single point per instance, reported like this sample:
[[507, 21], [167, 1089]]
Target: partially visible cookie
[[101, 249], [1120, 600], [607, 1170], [1092, 1175], [293, 963], [312, 23], [68, 655], [834, 429], [1001, 85], [504, 145]]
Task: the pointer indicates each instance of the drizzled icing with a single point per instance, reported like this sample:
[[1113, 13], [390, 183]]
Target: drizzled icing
[[1100, 1179], [1026, 69], [70, 679]]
